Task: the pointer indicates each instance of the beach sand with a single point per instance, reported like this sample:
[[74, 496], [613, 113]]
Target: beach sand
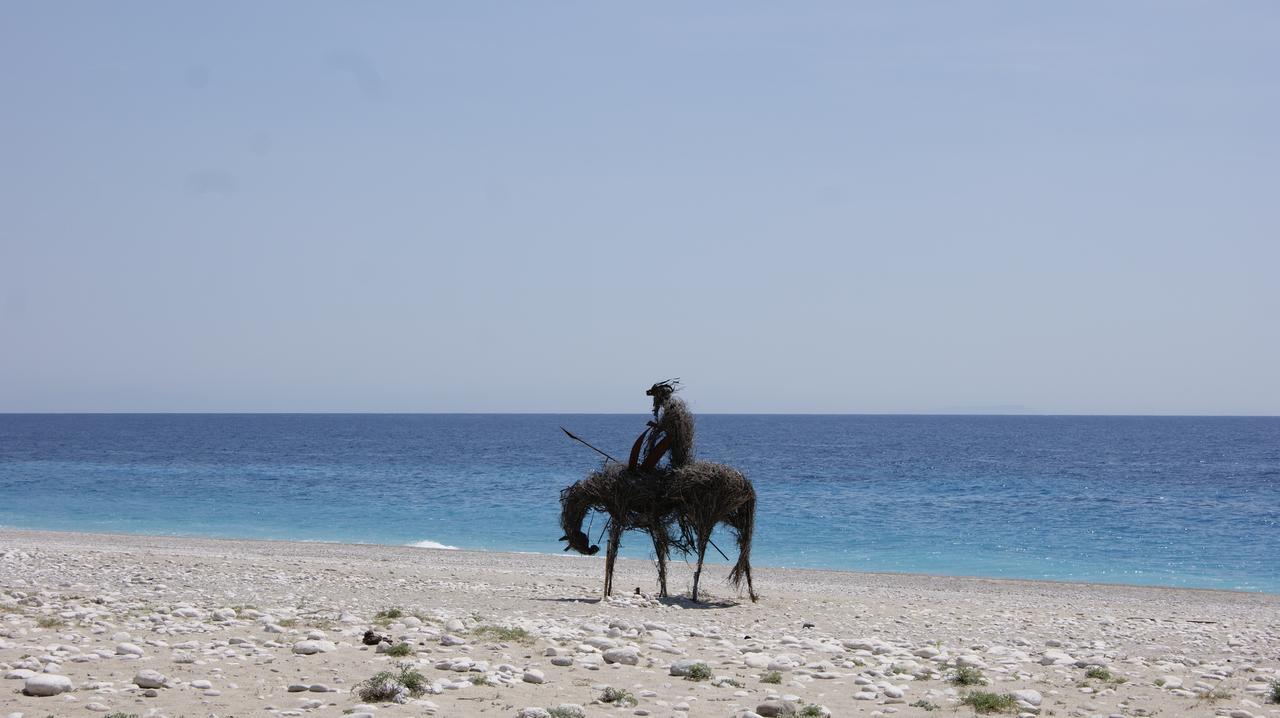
[[221, 626]]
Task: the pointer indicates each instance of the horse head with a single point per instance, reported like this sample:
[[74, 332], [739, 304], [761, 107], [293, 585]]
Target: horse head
[[580, 542]]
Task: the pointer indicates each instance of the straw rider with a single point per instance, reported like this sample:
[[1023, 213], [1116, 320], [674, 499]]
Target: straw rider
[[670, 430]]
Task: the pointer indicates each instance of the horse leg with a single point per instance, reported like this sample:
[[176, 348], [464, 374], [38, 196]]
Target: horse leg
[[703, 538], [611, 555], [660, 550], [608, 571]]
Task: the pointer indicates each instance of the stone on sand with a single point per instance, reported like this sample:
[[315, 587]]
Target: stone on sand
[[47, 684]]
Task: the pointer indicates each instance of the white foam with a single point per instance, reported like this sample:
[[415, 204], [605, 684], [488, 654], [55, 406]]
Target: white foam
[[433, 544]]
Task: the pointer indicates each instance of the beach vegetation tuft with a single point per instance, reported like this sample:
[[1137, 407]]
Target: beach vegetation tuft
[[503, 634], [698, 672], [387, 615], [50, 622], [986, 702], [1215, 695], [813, 710], [398, 685], [1098, 672], [400, 650], [121, 715], [618, 696], [771, 677], [287, 623], [1274, 696], [925, 705], [968, 676], [564, 712]]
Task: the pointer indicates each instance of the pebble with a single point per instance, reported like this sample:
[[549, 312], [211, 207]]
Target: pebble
[[47, 684], [311, 647], [150, 679], [1030, 697], [627, 655], [682, 668], [774, 708]]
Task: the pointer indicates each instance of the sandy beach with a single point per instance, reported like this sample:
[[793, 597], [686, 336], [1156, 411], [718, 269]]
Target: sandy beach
[[160, 626]]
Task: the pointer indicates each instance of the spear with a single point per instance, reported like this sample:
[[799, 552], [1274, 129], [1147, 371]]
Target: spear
[[587, 444]]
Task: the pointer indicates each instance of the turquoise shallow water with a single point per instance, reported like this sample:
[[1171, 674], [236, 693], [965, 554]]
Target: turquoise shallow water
[[1176, 501]]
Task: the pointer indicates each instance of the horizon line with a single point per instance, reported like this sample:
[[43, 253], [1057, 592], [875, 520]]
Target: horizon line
[[641, 413]]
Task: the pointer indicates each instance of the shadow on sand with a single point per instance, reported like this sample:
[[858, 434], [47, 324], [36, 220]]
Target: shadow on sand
[[681, 601]]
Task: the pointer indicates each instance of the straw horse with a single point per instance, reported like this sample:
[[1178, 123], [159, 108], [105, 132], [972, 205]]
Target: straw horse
[[694, 498]]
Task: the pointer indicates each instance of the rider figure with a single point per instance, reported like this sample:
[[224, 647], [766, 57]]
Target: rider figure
[[670, 430]]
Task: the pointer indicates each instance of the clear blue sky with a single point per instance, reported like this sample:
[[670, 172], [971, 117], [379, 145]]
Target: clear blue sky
[[837, 207]]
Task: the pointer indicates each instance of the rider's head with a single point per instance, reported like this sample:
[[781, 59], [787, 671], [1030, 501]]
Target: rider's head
[[662, 391]]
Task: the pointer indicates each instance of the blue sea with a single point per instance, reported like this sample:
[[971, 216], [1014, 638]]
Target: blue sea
[[1174, 501]]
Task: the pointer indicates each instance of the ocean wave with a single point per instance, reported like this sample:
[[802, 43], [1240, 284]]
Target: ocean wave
[[433, 544]]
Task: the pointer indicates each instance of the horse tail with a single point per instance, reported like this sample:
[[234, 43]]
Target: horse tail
[[743, 521]]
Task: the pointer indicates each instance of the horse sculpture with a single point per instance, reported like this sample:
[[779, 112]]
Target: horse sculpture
[[693, 497]]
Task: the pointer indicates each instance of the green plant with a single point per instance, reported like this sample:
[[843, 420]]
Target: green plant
[[771, 677], [387, 615], [389, 685], [562, 712], [1099, 673], [1274, 696], [984, 702], [968, 676], [287, 623], [618, 697], [400, 650], [1159, 682], [926, 705], [698, 672], [50, 622], [121, 715], [503, 634], [812, 710], [480, 679]]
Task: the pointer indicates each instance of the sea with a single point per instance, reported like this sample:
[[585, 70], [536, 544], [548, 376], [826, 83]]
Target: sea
[[1170, 501]]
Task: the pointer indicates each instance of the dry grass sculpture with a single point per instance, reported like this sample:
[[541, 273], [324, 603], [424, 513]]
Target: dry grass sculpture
[[707, 494], [694, 498], [632, 499], [671, 428]]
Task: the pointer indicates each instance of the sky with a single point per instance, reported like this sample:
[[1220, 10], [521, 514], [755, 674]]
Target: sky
[[920, 207]]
